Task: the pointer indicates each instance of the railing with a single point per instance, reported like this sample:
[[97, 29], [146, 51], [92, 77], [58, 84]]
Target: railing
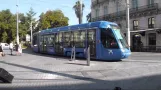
[[121, 14], [146, 49], [95, 3]]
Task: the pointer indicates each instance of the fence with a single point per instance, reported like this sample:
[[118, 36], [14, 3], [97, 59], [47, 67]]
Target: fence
[[146, 49]]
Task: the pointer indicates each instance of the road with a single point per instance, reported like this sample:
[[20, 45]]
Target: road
[[32, 71]]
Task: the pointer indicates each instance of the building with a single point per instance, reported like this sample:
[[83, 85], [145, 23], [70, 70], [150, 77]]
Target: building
[[145, 20]]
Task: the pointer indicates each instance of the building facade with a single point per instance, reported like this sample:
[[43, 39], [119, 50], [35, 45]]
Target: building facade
[[145, 20]]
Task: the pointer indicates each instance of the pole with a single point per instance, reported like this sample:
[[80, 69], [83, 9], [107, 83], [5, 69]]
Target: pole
[[31, 32], [128, 22], [17, 34], [88, 56], [81, 14]]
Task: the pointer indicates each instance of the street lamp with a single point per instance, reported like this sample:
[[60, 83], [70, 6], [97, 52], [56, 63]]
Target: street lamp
[[17, 34], [128, 22]]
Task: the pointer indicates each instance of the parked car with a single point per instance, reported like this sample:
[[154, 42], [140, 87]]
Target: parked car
[[5, 46]]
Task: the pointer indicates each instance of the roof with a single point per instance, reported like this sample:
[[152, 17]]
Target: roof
[[99, 24]]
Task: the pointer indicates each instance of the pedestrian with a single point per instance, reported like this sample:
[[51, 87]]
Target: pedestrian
[[11, 47], [1, 51], [16, 47], [20, 49]]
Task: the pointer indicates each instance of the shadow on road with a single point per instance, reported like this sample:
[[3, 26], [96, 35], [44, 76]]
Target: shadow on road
[[138, 83]]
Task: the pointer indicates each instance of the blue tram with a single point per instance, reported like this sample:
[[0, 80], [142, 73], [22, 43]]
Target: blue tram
[[105, 40]]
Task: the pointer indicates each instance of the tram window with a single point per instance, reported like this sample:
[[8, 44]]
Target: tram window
[[35, 40], [76, 38], [60, 37], [41, 40], [67, 39], [79, 37], [45, 40], [71, 39], [51, 40], [108, 39], [82, 38], [91, 35], [56, 38]]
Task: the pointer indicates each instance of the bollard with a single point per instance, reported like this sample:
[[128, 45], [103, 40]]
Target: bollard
[[73, 54], [88, 56]]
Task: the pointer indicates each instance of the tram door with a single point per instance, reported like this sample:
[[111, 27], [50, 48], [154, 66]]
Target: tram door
[[59, 44], [92, 42], [45, 44], [41, 43]]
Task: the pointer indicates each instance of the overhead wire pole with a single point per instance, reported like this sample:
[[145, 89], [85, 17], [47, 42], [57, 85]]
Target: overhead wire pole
[[31, 31], [128, 22], [17, 34]]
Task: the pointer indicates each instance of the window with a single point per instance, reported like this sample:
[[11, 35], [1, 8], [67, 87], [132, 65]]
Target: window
[[79, 38], [67, 40], [108, 39], [97, 12], [152, 38], [97, 1], [117, 8], [135, 4], [151, 22], [34, 40], [135, 24], [51, 40], [150, 2], [105, 10]]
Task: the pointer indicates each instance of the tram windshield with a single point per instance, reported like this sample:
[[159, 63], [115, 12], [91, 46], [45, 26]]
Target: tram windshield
[[120, 36], [108, 39]]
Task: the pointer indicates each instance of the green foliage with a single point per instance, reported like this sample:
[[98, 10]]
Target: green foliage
[[77, 9], [8, 21], [7, 25], [89, 17], [4, 37], [52, 19]]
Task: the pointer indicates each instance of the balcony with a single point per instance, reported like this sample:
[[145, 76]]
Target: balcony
[[95, 3], [134, 12]]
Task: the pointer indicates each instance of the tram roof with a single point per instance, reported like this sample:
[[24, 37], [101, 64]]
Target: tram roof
[[98, 24]]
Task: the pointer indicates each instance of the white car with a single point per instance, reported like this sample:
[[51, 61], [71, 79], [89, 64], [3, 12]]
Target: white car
[[5, 46]]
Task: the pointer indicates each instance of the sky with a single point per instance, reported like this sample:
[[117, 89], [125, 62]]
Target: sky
[[40, 6]]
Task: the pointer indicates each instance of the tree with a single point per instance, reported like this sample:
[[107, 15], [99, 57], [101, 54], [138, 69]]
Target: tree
[[7, 26], [30, 19], [4, 37], [77, 9], [52, 19], [89, 17]]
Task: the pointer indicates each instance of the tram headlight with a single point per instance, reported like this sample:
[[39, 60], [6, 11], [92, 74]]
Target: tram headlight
[[123, 50]]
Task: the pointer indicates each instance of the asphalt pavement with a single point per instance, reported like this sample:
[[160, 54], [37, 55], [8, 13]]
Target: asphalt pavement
[[33, 71]]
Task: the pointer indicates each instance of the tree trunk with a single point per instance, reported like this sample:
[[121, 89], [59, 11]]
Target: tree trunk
[[80, 20]]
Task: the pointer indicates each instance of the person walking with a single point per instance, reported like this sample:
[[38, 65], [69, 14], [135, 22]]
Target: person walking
[[20, 49], [11, 47], [16, 47], [1, 50]]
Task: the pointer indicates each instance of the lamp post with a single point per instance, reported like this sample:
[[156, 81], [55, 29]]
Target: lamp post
[[31, 32], [128, 22], [17, 34]]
